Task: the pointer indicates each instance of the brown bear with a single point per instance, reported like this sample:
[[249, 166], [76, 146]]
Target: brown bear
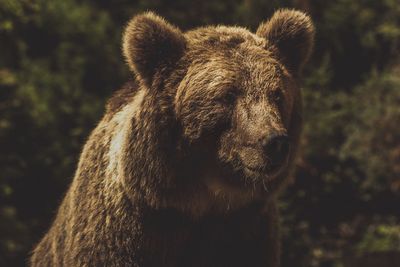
[[186, 164]]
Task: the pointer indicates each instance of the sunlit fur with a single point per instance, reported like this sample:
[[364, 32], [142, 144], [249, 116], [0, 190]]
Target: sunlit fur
[[174, 174]]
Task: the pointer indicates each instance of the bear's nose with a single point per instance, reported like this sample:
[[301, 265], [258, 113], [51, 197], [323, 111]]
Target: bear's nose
[[276, 148]]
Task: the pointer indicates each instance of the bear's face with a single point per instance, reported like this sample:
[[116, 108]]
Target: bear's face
[[241, 98], [235, 95]]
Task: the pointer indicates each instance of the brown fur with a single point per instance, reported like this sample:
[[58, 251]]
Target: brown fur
[[176, 172]]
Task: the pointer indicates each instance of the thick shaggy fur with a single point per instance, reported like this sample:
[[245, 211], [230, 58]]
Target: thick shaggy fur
[[176, 173]]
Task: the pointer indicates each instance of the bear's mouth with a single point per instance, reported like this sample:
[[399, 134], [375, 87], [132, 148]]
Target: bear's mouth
[[266, 171], [260, 166], [240, 172]]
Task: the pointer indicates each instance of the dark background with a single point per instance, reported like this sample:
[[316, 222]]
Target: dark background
[[61, 59]]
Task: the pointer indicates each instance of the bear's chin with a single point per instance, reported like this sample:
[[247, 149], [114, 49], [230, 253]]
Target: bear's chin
[[244, 183]]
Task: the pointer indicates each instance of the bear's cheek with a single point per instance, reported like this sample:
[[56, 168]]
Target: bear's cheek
[[227, 148]]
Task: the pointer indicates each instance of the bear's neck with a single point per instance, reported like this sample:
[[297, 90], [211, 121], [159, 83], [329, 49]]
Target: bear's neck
[[148, 149]]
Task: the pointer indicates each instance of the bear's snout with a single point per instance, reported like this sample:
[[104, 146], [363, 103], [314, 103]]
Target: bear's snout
[[276, 149], [268, 156]]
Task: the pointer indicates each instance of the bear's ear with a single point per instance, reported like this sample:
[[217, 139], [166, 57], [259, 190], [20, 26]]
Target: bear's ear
[[291, 32], [150, 44]]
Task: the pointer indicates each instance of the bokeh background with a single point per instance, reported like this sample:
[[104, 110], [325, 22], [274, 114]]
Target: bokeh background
[[61, 59]]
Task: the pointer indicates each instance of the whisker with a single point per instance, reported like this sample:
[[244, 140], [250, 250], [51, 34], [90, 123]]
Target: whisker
[[264, 185]]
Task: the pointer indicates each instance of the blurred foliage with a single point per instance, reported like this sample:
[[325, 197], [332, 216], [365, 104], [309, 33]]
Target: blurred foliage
[[60, 60], [380, 238]]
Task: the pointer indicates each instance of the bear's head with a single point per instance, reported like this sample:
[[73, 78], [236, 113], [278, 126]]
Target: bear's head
[[234, 94]]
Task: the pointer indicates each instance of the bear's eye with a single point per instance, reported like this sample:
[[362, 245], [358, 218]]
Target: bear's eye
[[229, 98], [277, 97]]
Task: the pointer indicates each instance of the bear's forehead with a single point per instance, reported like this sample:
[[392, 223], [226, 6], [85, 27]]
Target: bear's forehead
[[222, 74], [224, 36], [225, 46], [226, 56]]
